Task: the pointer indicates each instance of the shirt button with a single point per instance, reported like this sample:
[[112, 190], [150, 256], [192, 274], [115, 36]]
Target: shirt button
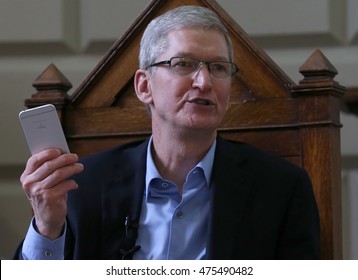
[[48, 253], [165, 185], [180, 214]]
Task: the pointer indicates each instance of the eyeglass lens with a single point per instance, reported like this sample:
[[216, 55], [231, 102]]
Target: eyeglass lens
[[218, 69]]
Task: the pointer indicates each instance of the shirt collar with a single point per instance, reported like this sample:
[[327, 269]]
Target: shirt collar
[[206, 164]]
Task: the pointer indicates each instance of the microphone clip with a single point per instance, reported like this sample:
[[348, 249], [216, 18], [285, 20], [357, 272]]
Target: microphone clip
[[131, 231], [128, 254]]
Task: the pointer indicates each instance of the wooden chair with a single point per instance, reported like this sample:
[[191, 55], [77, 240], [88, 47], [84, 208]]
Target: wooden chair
[[299, 122]]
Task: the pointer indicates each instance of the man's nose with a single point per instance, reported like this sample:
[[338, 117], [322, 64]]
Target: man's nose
[[202, 78]]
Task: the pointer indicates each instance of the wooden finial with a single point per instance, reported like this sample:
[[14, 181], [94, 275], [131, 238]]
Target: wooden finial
[[51, 86], [52, 79], [317, 68]]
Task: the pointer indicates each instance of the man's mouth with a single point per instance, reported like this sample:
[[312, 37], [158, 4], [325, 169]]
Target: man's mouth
[[200, 101]]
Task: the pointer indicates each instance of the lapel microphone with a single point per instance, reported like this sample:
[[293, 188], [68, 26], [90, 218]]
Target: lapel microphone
[[131, 229]]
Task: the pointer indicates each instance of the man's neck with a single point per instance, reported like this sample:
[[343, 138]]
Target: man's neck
[[175, 155]]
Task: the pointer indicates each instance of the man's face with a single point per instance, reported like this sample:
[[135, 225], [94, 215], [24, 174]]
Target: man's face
[[196, 101]]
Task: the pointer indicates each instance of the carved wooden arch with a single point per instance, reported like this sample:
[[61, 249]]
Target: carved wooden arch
[[298, 122]]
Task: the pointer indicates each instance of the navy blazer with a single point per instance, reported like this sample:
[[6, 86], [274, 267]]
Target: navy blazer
[[262, 206]]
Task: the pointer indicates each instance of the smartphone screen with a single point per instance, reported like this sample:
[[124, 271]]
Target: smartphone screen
[[42, 129]]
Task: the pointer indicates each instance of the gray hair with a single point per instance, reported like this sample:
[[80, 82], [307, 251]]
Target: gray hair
[[154, 40]]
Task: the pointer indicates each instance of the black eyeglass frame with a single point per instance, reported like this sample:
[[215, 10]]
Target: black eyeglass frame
[[207, 63]]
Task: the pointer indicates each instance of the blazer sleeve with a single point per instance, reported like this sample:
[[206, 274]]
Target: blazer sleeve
[[300, 236]]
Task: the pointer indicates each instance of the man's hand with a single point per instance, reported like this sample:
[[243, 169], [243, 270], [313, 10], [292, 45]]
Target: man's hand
[[46, 184]]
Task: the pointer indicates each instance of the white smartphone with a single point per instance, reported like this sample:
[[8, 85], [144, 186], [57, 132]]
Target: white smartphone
[[42, 129]]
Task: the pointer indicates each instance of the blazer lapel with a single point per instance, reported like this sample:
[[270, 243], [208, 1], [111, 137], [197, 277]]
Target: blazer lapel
[[230, 190], [126, 183]]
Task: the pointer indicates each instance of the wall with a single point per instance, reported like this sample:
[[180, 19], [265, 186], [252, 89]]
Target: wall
[[75, 34]]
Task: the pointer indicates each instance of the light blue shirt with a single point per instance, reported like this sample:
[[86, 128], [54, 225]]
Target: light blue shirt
[[174, 226], [171, 226], [37, 247]]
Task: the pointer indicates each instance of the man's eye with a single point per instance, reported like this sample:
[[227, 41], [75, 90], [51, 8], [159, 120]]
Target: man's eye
[[218, 67], [184, 64]]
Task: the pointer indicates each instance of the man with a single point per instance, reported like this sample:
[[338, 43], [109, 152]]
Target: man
[[185, 193]]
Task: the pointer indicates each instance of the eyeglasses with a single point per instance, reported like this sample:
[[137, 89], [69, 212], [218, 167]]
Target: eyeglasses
[[184, 66]]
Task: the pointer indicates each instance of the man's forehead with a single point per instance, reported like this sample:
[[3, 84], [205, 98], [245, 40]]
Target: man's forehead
[[186, 41]]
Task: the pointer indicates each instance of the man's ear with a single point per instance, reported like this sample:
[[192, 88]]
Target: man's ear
[[142, 86]]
